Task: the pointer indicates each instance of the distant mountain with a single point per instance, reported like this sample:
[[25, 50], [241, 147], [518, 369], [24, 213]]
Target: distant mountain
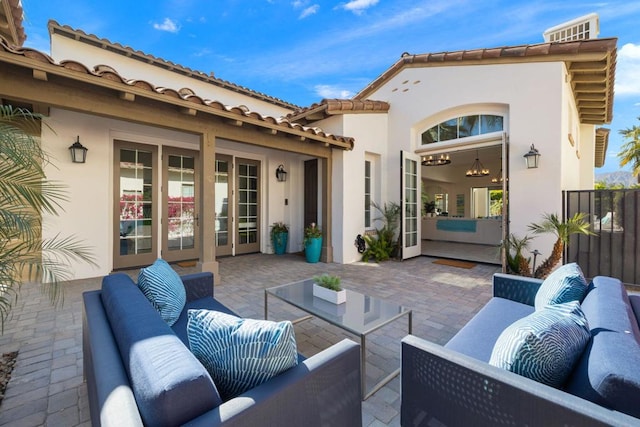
[[619, 177]]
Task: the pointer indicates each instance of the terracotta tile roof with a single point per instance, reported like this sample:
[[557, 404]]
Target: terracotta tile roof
[[11, 17], [591, 64], [91, 39], [602, 142], [329, 107], [105, 76]]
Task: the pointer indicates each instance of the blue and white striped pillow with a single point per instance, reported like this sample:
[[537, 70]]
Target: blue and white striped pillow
[[240, 354], [164, 288], [566, 283], [544, 346]]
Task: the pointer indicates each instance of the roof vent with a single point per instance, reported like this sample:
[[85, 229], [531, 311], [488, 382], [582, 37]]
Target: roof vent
[[583, 28]]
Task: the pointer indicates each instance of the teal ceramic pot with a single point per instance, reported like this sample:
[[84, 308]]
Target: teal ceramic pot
[[312, 249], [280, 243]]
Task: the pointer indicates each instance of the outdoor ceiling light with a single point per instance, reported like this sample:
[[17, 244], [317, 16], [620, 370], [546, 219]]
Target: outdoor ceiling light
[[437, 160], [532, 158], [281, 174], [477, 169], [78, 152]]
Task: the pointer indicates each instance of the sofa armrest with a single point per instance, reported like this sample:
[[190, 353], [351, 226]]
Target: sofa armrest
[[516, 288], [198, 285], [111, 398], [444, 387], [324, 390]]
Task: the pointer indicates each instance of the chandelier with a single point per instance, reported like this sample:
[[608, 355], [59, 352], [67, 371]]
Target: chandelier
[[436, 160], [477, 169], [497, 178]]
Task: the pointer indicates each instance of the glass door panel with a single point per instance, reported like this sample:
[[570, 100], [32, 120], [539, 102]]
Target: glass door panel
[[134, 191], [222, 196], [180, 204], [248, 219], [410, 176]]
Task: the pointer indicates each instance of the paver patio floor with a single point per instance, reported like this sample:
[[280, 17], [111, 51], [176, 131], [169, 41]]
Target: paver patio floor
[[47, 388]]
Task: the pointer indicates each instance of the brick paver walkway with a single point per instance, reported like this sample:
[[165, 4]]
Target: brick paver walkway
[[47, 387]]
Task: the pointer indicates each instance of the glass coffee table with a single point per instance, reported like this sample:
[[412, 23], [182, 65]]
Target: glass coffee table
[[360, 315]]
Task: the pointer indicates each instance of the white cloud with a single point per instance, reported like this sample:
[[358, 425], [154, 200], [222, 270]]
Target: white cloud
[[311, 10], [329, 91], [628, 70], [358, 6], [167, 25]]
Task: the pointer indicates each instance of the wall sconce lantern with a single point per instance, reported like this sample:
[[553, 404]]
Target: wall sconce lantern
[[532, 158], [78, 152], [281, 174]]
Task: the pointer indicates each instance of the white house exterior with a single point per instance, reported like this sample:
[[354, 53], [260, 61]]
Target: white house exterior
[[127, 106]]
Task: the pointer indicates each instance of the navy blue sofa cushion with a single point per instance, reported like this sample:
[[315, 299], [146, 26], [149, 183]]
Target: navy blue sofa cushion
[[170, 385], [480, 334], [608, 372]]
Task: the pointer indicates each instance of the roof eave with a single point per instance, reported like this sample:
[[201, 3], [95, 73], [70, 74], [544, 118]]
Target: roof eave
[[595, 58]]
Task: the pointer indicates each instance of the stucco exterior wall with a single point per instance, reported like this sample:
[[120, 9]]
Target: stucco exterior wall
[[533, 98], [88, 213], [65, 48], [369, 132]]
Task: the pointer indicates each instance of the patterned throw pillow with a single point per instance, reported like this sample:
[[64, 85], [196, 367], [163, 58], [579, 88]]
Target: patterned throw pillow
[[544, 346], [164, 288], [566, 283], [240, 353]]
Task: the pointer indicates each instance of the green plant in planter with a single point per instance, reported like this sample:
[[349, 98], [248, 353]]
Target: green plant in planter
[[277, 229], [311, 232], [328, 281]]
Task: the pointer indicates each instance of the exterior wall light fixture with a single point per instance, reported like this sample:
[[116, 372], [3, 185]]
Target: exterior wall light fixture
[[281, 174], [532, 158], [78, 152]]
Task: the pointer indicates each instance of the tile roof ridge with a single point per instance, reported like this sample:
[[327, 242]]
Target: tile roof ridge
[[54, 26], [340, 105], [185, 94]]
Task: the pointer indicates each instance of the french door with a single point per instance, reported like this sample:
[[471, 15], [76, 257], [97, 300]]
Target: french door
[[237, 189], [410, 205], [180, 201], [135, 204], [248, 207], [223, 192], [144, 215]]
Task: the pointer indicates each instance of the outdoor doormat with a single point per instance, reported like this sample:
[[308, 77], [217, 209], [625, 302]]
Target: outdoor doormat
[[186, 264], [455, 263]]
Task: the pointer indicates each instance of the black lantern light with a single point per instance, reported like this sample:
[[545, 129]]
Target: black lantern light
[[78, 152], [532, 158], [281, 174]]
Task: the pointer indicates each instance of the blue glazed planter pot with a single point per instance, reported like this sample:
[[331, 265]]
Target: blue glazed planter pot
[[280, 243], [312, 249]]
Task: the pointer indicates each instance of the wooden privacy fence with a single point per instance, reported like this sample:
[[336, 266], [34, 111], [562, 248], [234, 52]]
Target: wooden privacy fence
[[614, 250]]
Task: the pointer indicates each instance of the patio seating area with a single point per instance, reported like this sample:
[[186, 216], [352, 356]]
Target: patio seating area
[[47, 385]]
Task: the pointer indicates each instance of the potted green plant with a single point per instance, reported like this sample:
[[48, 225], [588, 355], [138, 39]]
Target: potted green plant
[[312, 243], [279, 237], [327, 287]]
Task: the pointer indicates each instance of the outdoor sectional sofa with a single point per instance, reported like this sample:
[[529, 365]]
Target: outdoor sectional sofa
[[139, 371], [455, 385]]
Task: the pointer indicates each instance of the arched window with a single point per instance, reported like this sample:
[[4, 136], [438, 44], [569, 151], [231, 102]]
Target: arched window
[[462, 127]]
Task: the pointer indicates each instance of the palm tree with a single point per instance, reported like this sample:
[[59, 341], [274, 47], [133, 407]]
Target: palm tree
[[630, 151], [577, 224], [26, 194]]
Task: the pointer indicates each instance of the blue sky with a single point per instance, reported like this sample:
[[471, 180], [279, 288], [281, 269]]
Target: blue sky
[[305, 50]]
